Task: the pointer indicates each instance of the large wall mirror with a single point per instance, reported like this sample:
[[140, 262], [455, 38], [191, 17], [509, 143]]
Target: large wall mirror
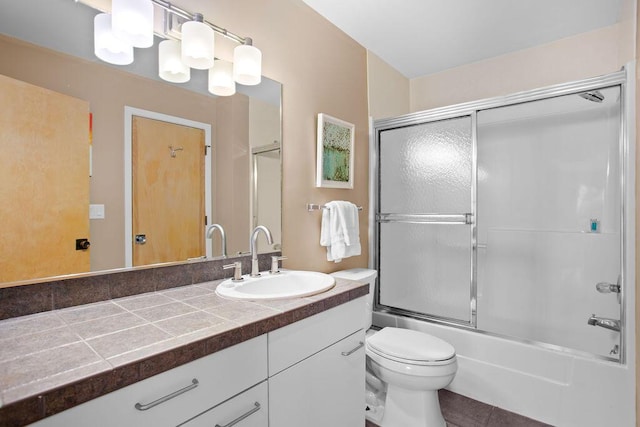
[[47, 62]]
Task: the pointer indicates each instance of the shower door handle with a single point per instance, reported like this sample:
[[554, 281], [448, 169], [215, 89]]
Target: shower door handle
[[606, 288], [611, 288], [431, 218]]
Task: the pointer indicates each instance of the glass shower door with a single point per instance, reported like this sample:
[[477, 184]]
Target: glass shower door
[[549, 221], [424, 219]]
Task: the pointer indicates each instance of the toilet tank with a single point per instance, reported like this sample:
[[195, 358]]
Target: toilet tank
[[362, 275]]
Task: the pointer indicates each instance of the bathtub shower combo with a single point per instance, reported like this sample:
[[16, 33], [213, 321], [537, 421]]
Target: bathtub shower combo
[[505, 226]]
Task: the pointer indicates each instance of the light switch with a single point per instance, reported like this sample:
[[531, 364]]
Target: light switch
[[96, 211]]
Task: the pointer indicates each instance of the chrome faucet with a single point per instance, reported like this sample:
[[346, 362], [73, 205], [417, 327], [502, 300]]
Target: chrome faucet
[[603, 322], [218, 227], [253, 243]]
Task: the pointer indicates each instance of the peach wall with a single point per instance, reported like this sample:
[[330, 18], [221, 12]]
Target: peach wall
[[388, 89], [585, 55], [322, 71]]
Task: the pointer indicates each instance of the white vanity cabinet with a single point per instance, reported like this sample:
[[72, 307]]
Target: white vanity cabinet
[[309, 373], [219, 377], [317, 370]]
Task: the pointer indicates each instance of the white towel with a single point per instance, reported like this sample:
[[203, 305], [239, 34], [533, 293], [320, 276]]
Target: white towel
[[340, 231]]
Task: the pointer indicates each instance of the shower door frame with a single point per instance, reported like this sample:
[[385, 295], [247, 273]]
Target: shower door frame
[[471, 109]]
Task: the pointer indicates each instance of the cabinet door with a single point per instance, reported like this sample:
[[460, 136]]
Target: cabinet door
[[248, 409], [326, 389]]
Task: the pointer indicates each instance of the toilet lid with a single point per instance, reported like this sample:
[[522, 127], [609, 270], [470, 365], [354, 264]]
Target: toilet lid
[[410, 345]]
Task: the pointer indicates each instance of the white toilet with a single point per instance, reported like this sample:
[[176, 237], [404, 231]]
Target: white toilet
[[413, 365]]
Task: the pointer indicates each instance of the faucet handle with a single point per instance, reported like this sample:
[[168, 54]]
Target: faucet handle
[[237, 271], [274, 264]]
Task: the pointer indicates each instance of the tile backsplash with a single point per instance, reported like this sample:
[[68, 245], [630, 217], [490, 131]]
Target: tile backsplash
[[39, 297]]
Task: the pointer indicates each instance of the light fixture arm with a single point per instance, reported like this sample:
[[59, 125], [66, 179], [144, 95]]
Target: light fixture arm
[[185, 14]]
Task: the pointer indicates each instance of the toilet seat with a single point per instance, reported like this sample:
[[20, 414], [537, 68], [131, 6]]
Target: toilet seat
[[410, 347]]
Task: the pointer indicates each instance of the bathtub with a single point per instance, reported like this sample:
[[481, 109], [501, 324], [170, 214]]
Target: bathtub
[[552, 386]]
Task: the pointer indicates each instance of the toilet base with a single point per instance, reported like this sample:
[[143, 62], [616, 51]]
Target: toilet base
[[409, 408]]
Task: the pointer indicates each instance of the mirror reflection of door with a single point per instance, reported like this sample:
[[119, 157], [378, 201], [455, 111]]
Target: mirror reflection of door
[[44, 139], [266, 189], [168, 191]]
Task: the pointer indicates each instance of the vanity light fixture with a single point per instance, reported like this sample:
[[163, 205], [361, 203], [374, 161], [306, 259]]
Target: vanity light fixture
[[191, 47]]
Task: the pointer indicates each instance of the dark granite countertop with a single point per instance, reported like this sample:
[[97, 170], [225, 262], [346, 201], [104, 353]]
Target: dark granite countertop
[[55, 360]]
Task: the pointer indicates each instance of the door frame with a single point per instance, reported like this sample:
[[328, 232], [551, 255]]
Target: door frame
[[129, 112]]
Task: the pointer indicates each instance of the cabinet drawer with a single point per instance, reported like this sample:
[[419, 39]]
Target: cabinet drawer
[[248, 409], [219, 376], [297, 341]]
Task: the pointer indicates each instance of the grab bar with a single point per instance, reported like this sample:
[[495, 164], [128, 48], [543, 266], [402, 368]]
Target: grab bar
[[436, 218]]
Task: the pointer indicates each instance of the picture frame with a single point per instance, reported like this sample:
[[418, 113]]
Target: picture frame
[[335, 153]]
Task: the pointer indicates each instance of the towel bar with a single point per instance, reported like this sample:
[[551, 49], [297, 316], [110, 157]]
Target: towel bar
[[313, 207]]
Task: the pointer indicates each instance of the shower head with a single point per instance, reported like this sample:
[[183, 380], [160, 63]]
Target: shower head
[[594, 96]]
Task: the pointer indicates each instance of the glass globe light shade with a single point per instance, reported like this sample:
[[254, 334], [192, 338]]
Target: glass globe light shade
[[106, 46], [247, 65], [221, 78], [197, 45], [170, 65], [133, 21]]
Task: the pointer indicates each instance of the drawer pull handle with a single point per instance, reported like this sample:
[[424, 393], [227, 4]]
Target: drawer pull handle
[[349, 353], [145, 406], [242, 417]]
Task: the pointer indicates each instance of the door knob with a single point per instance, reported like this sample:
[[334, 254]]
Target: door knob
[[82, 244]]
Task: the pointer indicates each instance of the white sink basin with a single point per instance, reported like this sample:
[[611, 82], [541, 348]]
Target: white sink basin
[[286, 284]]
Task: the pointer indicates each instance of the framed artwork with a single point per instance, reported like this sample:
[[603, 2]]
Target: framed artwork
[[334, 167]]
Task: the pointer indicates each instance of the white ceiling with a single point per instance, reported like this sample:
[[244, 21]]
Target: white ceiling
[[420, 37]]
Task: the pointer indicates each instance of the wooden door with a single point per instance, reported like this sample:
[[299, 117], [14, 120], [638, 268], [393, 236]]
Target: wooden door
[[168, 191], [44, 182]]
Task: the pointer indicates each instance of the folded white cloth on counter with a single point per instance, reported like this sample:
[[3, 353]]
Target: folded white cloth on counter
[[340, 231]]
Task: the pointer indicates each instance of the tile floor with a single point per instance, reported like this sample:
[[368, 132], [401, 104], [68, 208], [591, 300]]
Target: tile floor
[[461, 411]]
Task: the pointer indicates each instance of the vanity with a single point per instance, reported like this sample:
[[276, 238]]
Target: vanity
[[281, 363]]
